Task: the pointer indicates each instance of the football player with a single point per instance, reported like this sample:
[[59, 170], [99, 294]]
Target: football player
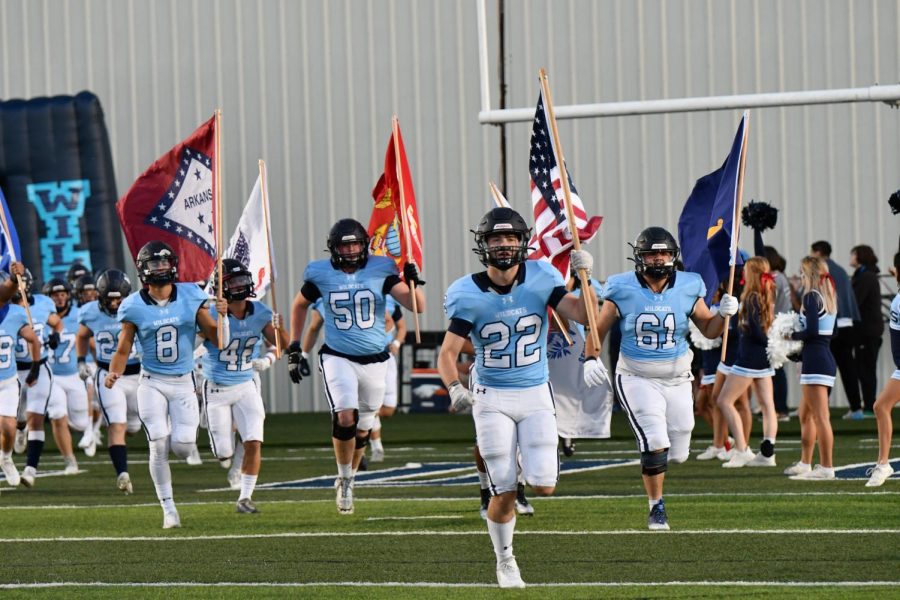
[[38, 399], [504, 311], [84, 288], [353, 360], [652, 305], [164, 317], [97, 321], [231, 394]]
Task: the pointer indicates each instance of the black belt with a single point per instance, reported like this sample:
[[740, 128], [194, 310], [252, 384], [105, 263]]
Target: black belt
[[24, 366], [134, 369], [364, 359]]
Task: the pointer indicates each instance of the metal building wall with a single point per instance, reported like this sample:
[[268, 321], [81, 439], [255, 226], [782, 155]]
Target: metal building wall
[[310, 85]]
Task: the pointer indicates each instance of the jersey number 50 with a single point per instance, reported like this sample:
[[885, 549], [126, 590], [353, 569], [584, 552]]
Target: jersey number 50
[[497, 335]]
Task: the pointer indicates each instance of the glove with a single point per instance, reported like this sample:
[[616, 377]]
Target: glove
[[728, 305], [53, 340], [411, 274], [581, 259], [595, 373], [460, 397], [33, 374], [84, 371], [277, 321], [261, 364], [298, 362]]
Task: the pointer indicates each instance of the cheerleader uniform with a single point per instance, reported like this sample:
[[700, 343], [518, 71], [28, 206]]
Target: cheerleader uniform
[[731, 349], [710, 361], [817, 325], [895, 335], [752, 360]]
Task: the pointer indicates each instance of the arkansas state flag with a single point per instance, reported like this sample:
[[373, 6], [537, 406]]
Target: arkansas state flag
[[386, 234], [173, 202]]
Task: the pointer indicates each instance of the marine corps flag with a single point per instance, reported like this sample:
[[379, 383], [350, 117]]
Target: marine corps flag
[[173, 202], [386, 234]]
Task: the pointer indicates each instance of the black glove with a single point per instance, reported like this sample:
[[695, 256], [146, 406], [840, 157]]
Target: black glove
[[53, 340], [33, 373], [298, 367], [411, 274]]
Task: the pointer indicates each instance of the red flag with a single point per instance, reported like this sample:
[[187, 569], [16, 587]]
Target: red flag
[[173, 202], [387, 237]]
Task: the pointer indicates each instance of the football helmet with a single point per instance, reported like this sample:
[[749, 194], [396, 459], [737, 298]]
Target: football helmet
[[237, 281], [84, 284], [348, 231], [501, 220], [652, 240], [112, 284], [58, 285], [157, 264], [75, 271]]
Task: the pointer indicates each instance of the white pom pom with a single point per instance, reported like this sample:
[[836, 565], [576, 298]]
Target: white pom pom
[[700, 341], [780, 344]]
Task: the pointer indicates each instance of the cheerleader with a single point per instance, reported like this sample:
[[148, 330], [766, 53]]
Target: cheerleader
[[889, 396], [751, 366], [818, 314]]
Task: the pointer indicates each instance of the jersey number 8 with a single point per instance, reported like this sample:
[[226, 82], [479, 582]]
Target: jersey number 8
[[167, 344]]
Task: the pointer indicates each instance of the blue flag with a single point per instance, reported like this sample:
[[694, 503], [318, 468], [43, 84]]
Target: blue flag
[[706, 222], [5, 255]]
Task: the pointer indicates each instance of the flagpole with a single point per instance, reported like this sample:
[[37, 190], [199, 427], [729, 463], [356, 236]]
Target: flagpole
[[498, 200], [12, 255], [265, 203], [217, 206], [570, 212], [395, 133], [735, 224]]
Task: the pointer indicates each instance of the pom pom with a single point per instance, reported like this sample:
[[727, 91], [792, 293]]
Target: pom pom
[[700, 341], [759, 216], [781, 346]]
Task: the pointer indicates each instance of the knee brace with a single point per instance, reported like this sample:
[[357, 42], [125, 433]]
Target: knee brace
[[344, 433], [654, 463], [181, 449], [363, 441]]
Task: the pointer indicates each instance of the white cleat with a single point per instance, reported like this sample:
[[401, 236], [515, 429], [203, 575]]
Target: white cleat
[[21, 441], [193, 458], [798, 468], [377, 456], [123, 483], [91, 448], [28, 476], [877, 474], [10, 471], [508, 575], [86, 439], [710, 453], [171, 520], [71, 467], [98, 438], [739, 459], [344, 495], [762, 461], [819, 473], [234, 478]]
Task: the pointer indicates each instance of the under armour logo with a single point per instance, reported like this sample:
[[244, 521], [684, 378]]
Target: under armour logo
[[507, 299], [480, 390]]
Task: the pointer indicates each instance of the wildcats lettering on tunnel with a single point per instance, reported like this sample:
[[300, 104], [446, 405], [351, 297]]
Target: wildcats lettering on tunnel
[[60, 206]]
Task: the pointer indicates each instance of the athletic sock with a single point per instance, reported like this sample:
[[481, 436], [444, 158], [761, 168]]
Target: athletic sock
[[654, 502], [248, 483], [345, 471], [502, 537], [119, 456], [35, 448], [377, 446]]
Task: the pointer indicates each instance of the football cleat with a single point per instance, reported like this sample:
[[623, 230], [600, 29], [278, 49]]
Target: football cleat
[[568, 447], [739, 459], [28, 476], [877, 474], [193, 458], [123, 483], [798, 468], [710, 453], [523, 507], [819, 473], [485, 502], [508, 575], [21, 441], [86, 439], [762, 461], [344, 495], [246, 506], [657, 520], [171, 520], [377, 455], [234, 478], [71, 467], [11, 472]]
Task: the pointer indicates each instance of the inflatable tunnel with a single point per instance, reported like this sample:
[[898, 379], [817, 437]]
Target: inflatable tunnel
[[56, 172]]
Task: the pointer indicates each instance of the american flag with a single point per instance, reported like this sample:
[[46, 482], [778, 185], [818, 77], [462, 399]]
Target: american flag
[[552, 240]]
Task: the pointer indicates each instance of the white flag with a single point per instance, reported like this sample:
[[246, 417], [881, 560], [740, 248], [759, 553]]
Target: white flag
[[248, 243]]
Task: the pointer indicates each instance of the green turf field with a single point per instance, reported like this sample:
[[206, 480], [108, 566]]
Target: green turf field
[[749, 533]]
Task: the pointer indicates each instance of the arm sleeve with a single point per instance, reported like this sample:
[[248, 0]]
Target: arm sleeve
[[310, 291], [754, 328], [460, 327], [389, 282], [398, 313], [557, 294], [811, 310], [759, 248]]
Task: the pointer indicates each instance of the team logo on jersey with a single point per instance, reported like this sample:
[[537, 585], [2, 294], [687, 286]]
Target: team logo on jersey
[[186, 209], [60, 206]]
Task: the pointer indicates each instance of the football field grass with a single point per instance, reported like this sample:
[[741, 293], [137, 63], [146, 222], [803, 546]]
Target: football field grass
[[416, 531]]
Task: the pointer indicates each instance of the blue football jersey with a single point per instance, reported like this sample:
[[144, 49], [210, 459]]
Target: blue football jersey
[[509, 331], [14, 321], [654, 326], [353, 303], [62, 360], [41, 310], [166, 332], [233, 364], [106, 330]]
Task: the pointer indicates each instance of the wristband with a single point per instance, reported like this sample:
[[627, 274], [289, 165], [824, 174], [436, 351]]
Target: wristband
[[81, 359]]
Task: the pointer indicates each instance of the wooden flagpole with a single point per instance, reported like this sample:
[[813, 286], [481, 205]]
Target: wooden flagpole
[[570, 213], [217, 206], [12, 254], [265, 202], [395, 134], [735, 224], [498, 200]]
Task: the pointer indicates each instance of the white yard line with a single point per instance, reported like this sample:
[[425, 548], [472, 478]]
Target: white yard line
[[414, 518]]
